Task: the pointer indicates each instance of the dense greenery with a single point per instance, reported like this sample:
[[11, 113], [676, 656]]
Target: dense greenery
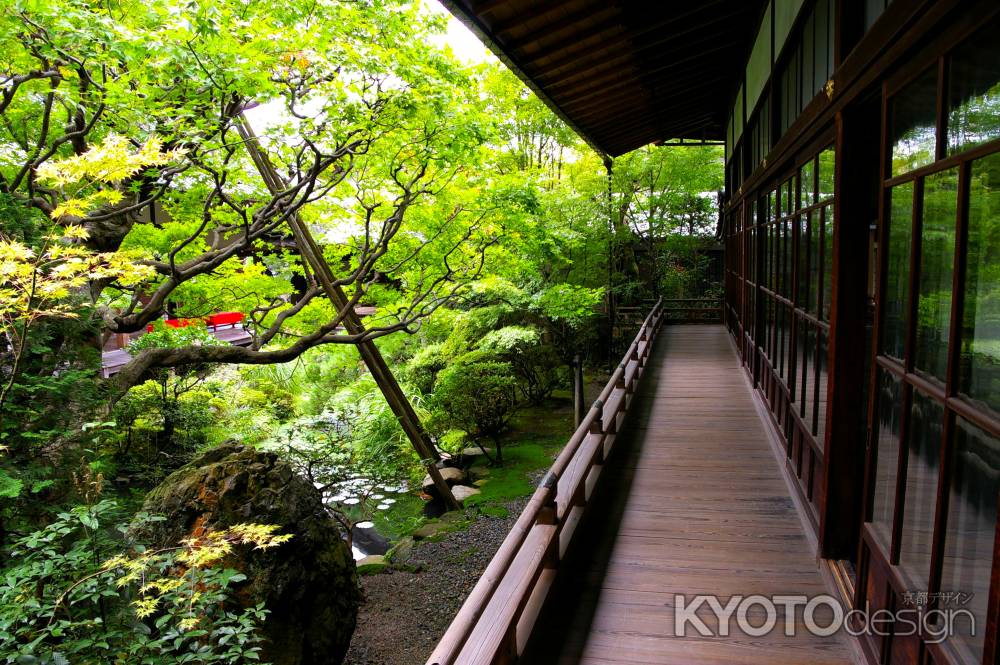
[[444, 196]]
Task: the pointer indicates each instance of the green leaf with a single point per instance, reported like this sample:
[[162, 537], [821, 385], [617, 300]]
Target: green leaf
[[10, 487]]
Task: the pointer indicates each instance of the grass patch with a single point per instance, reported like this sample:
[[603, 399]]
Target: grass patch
[[535, 437], [513, 478]]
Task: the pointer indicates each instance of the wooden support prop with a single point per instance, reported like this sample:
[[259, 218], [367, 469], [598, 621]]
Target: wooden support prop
[[577, 390], [376, 364]]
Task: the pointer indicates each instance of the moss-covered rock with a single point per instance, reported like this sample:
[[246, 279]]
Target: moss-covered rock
[[309, 584]]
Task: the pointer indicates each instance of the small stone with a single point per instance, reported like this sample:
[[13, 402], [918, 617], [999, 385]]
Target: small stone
[[372, 564], [463, 492], [475, 452]]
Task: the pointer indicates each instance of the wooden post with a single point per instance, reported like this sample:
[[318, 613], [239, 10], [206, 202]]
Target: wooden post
[[842, 483], [577, 390], [380, 371]]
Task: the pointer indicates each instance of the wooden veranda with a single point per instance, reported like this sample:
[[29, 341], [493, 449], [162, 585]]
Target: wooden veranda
[[684, 496], [694, 502]]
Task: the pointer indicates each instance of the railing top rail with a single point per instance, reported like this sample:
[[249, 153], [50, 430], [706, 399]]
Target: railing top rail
[[457, 635]]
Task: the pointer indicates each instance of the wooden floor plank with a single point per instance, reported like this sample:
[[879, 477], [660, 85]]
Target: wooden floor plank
[[691, 502]]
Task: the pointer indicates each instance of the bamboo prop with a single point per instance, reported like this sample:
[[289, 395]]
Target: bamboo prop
[[376, 364]]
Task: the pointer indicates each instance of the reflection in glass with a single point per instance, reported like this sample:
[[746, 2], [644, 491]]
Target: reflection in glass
[[821, 379], [974, 92], [802, 287], [913, 116], [825, 174], [827, 218], [972, 514], [784, 338], [979, 369], [786, 278], [886, 455], [922, 462], [937, 257], [815, 264], [806, 370], [775, 255], [897, 271], [807, 185]]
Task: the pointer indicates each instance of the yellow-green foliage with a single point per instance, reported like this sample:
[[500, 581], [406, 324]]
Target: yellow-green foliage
[[159, 606]]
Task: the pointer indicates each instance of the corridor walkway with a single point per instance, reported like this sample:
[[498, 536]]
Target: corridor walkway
[[693, 503]]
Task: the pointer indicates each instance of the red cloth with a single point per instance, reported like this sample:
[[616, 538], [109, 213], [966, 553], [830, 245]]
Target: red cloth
[[220, 319], [224, 319]]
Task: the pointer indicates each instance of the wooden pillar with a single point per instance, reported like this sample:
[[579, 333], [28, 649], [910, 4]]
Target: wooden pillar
[[856, 187]]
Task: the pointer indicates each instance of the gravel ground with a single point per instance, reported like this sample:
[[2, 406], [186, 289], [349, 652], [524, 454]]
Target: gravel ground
[[404, 614]]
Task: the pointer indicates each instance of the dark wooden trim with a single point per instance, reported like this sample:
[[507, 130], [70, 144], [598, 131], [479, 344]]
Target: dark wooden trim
[[900, 30], [992, 642], [913, 293], [842, 486], [946, 163], [906, 392], [954, 353]]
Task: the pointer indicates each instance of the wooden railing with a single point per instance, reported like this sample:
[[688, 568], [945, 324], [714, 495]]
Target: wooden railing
[[693, 310], [494, 623]]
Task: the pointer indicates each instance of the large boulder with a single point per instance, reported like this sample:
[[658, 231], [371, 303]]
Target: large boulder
[[309, 584]]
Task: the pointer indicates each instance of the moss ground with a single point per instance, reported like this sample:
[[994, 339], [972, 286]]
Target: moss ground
[[535, 437]]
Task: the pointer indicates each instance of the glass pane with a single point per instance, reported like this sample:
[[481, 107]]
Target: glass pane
[[974, 92], [972, 514], [913, 115], [825, 173], [827, 217], [807, 185], [937, 256], [821, 68], [815, 265], [922, 462], [821, 387], [783, 340], [808, 55], [979, 371], [873, 9], [886, 455], [768, 256], [807, 348], [786, 278], [897, 271], [802, 288], [768, 326], [772, 280]]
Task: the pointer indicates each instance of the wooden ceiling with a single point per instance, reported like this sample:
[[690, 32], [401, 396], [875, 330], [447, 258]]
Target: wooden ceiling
[[623, 73]]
